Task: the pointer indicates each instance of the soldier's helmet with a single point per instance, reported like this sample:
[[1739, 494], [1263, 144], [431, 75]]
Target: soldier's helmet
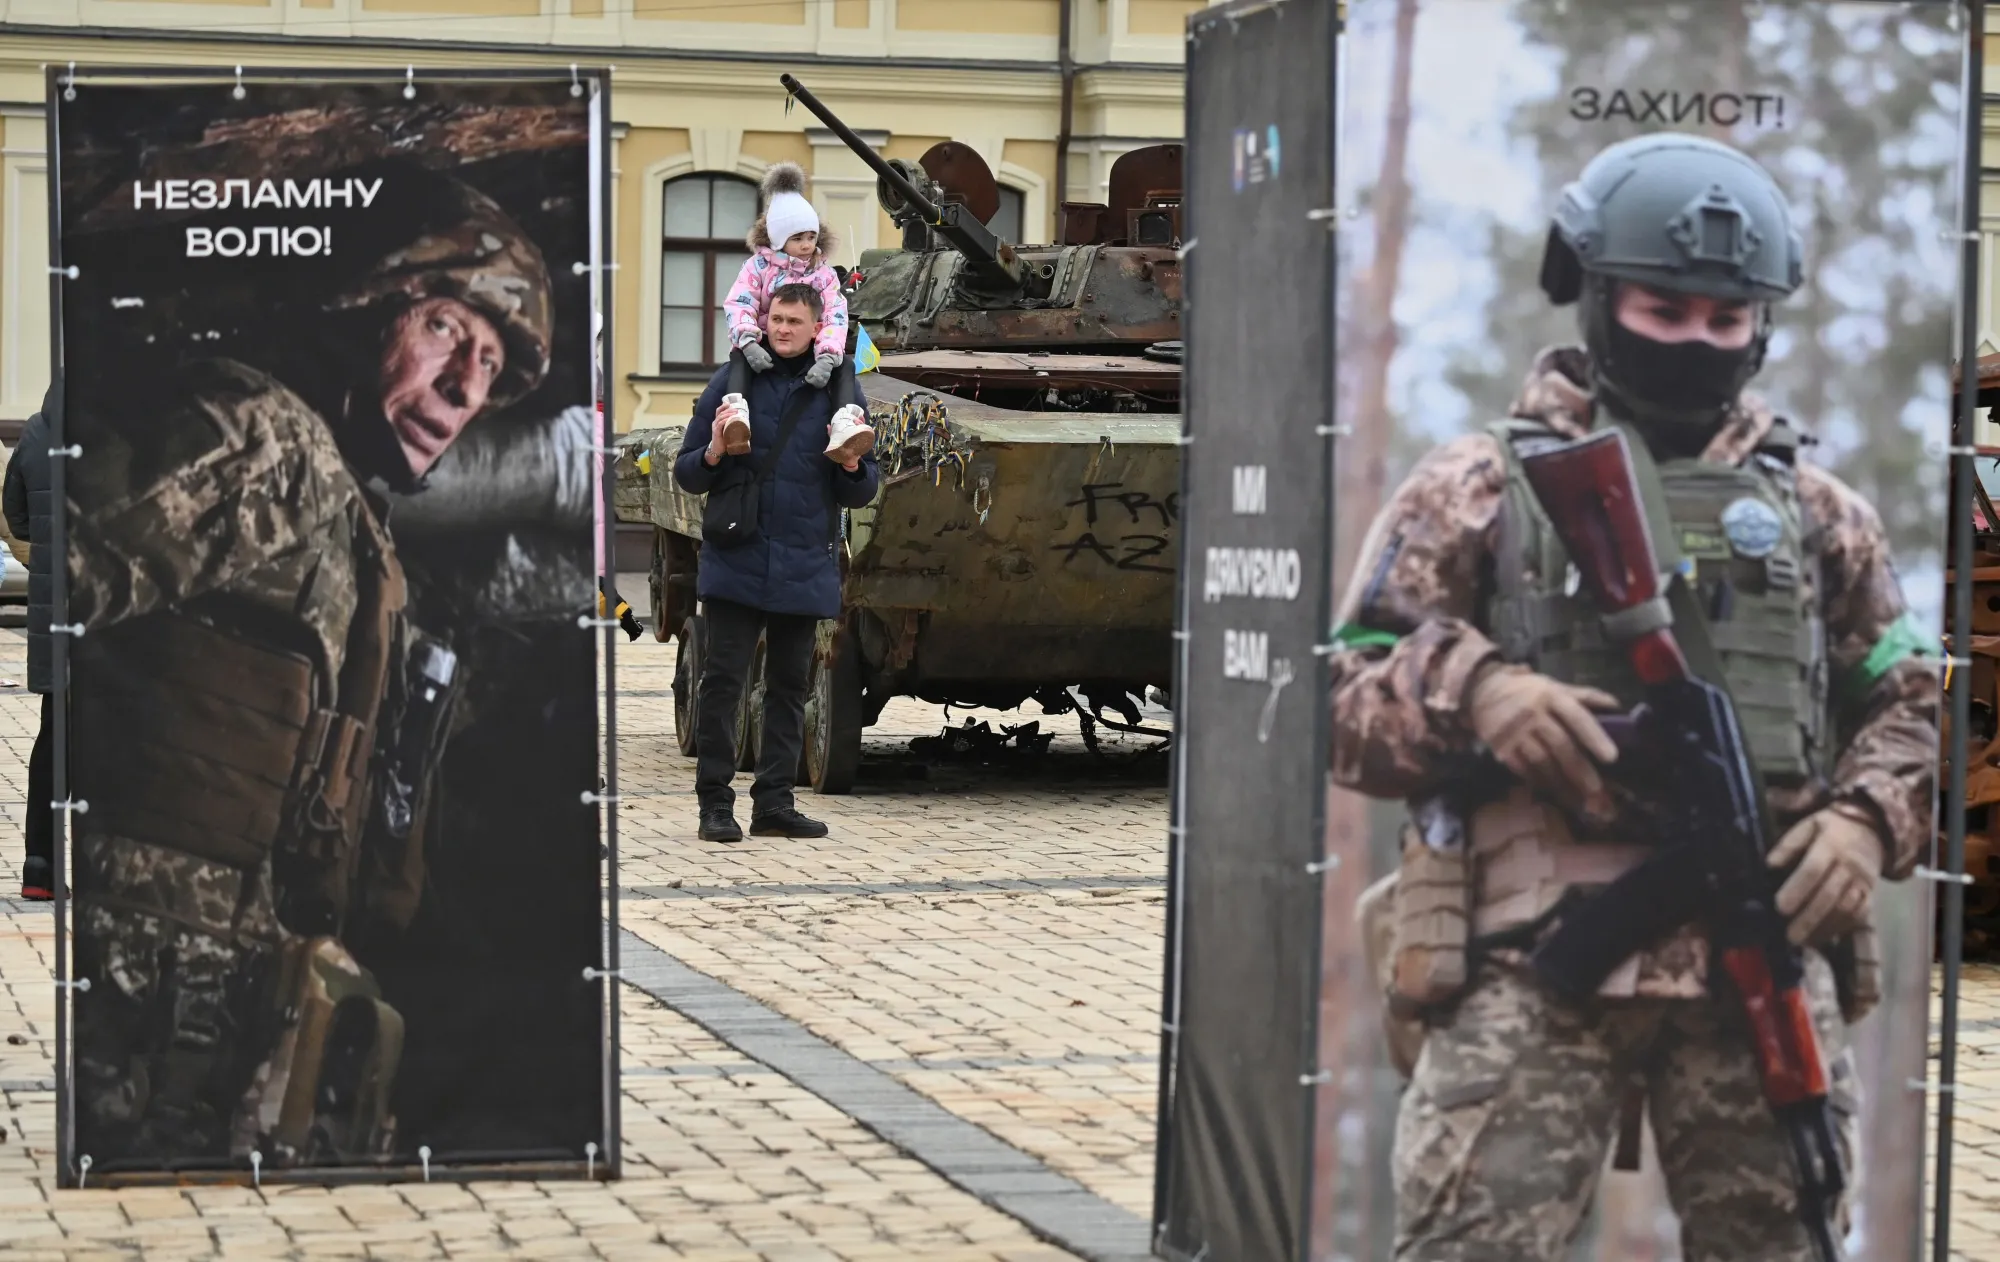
[[455, 242], [1680, 214]]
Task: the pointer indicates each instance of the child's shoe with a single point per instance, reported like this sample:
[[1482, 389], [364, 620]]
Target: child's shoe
[[849, 437], [735, 425]]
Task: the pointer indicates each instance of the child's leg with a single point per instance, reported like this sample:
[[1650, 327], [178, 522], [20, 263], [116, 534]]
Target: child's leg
[[844, 387], [851, 437], [736, 430], [739, 372]]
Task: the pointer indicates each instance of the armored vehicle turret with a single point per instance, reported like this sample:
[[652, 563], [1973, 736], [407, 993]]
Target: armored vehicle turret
[[1112, 287]]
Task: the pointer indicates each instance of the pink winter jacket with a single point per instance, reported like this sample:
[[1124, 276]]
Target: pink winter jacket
[[765, 270]]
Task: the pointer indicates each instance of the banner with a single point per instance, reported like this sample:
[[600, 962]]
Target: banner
[[334, 736], [1725, 232], [1250, 769]]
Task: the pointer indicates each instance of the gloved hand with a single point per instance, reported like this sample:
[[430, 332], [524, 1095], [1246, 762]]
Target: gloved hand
[[758, 358], [1543, 732], [1839, 857], [821, 371]]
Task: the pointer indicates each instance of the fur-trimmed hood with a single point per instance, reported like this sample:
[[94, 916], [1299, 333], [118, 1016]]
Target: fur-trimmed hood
[[786, 177]]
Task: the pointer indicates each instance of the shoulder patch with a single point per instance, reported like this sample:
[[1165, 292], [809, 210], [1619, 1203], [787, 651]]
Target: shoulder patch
[[1753, 528]]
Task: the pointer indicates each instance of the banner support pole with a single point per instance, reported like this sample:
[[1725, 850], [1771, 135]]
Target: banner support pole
[[1960, 535], [58, 734], [605, 247]]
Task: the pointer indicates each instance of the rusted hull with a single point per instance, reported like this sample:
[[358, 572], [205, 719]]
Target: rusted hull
[[1096, 296]]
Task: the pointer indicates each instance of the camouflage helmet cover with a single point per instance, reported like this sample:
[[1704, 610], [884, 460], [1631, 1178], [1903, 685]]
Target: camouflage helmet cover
[[464, 246], [1675, 212]]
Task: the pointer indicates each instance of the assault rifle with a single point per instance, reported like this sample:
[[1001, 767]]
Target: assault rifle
[[1713, 826]]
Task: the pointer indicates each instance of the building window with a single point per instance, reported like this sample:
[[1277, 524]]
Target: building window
[[703, 222], [1006, 222]]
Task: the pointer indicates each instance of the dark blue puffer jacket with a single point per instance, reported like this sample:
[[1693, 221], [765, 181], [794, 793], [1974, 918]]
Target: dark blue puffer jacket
[[790, 567], [29, 510]]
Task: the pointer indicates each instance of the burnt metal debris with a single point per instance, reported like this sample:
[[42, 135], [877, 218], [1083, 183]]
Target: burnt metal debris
[[1982, 773]]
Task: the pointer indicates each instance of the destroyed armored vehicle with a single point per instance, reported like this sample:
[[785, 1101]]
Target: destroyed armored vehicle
[[1982, 773], [1026, 406]]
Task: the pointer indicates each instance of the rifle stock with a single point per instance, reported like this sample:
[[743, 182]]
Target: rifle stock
[[1591, 496], [1712, 819]]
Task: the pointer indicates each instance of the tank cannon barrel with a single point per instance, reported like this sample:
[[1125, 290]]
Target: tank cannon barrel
[[862, 150], [989, 264]]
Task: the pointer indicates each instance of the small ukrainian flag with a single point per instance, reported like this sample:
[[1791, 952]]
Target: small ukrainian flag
[[866, 357]]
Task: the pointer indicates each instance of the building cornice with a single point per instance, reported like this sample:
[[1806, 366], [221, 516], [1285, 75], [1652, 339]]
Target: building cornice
[[67, 42]]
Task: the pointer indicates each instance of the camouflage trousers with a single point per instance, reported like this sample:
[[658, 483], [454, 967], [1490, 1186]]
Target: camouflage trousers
[[176, 950], [1504, 1128]]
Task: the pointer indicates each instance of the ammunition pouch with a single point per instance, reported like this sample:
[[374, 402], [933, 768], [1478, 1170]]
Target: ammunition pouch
[[1376, 913], [1429, 965], [1416, 930], [209, 744], [330, 1080]]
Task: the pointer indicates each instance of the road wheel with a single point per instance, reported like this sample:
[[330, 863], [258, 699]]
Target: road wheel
[[832, 753], [656, 586], [750, 714], [687, 685]]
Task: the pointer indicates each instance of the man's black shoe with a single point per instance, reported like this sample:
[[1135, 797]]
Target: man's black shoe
[[38, 879], [718, 823], [785, 823]]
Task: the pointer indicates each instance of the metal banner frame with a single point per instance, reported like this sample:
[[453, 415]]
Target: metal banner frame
[[62, 82], [1231, 1178], [1948, 857], [1959, 539]]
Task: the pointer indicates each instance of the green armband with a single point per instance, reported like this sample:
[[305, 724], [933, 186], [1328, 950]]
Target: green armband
[[1902, 641], [1354, 636]]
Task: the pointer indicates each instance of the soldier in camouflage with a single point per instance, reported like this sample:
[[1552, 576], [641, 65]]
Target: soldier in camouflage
[[1462, 631], [241, 605]]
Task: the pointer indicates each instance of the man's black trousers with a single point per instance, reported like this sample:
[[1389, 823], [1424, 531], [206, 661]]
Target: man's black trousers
[[40, 822], [731, 632]]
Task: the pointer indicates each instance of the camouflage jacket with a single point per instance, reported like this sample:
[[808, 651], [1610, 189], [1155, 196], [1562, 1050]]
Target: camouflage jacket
[[1424, 574], [234, 489]]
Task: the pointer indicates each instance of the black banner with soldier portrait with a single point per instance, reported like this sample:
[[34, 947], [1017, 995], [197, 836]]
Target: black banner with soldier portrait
[[332, 702], [1646, 353]]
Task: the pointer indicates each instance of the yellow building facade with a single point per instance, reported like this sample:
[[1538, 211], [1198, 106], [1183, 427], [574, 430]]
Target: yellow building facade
[[698, 118]]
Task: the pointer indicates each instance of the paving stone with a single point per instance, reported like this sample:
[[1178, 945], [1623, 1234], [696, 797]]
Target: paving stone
[[971, 961]]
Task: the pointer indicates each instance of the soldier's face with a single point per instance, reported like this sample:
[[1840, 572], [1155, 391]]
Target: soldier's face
[[1660, 316], [439, 363]]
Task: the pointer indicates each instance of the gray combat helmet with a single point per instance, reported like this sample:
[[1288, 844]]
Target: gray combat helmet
[[1681, 214]]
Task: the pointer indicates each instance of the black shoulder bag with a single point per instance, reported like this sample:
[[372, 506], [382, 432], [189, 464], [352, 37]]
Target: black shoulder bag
[[729, 515]]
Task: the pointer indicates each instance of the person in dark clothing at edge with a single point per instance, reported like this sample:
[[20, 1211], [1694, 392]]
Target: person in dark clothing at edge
[[781, 583], [25, 500]]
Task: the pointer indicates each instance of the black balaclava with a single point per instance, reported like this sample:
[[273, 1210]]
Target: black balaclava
[[1678, 394]]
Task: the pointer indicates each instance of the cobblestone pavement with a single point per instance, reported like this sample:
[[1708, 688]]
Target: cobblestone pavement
[[968, 967]]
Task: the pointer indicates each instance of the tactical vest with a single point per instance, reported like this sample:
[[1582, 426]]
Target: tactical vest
[[1753, 560], [227, 742]]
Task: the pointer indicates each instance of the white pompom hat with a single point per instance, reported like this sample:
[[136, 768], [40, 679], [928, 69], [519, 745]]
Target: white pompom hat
[[788, 215]]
